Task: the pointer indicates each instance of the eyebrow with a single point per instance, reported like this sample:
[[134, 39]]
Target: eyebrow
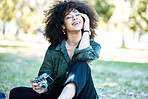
[[75, 11]]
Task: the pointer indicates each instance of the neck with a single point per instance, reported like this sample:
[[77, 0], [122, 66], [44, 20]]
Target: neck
[[73, 38]]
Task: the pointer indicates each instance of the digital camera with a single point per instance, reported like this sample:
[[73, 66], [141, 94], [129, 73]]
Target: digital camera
[[44, 80]]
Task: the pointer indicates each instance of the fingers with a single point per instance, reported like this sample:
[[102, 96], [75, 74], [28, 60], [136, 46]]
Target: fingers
[[35, 84], [84, 16], [31, 80], [86, 21], [40, 90], [36, 87]]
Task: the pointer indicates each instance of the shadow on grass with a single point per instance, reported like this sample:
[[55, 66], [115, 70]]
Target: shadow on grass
[[13, 46], [19, 58], [123, 65]]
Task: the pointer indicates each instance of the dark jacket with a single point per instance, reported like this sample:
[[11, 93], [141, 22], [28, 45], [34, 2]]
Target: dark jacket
[[57, 62]]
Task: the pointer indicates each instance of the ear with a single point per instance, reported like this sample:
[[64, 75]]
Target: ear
[[63, 26]]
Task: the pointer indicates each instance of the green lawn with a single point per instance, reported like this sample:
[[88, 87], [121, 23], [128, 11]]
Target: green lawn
[[114, 80], [121, 80]]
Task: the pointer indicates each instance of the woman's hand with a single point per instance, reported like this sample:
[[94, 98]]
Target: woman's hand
[[37, 88], [86, 25]]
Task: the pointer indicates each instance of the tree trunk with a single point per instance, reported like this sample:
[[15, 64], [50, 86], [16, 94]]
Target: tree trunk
[[5, 15]]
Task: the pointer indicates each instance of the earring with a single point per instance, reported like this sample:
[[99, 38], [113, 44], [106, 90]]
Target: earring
[[63, 31]]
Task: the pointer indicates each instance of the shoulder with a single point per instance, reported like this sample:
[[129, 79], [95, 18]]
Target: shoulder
[[51, 48], [50, 52]]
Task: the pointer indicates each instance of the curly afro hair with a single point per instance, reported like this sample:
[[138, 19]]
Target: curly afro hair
[[54, 18]]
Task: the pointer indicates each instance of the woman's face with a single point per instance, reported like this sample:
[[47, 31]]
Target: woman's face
[[73, 21]]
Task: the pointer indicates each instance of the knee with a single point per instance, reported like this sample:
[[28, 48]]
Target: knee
[[14, 92], [82, 66]]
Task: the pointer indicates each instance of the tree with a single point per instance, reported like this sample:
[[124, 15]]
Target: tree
[[21, 11], [104, 9], [138, 21], [7, 10]]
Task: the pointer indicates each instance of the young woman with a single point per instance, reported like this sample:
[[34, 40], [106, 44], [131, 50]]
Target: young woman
[[70, 30]]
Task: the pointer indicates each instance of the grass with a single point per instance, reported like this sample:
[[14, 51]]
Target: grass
[[113, 79], [121, 80]]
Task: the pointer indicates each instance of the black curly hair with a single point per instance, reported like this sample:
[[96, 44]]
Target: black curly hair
[[54, 18]]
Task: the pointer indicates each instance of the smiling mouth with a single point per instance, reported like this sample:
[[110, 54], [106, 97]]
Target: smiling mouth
[[76, 23]]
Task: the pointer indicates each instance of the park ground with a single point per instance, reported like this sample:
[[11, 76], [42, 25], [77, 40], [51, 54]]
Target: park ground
[[118, 74]]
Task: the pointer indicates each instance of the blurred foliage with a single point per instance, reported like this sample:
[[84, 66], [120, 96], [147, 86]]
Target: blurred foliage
[[138, 20], [7, 9], [104, 9], [30, 22], [31, 17]]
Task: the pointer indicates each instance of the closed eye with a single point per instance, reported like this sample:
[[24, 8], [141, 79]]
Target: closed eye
[[68, 17], [77, 14]]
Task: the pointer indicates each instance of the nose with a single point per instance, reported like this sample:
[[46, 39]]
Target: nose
[[74, 17]]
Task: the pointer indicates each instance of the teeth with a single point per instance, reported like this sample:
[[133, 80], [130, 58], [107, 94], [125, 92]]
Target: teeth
[[76, 23]]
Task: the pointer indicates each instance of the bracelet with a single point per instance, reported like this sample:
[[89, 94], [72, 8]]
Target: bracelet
[[87, 31]]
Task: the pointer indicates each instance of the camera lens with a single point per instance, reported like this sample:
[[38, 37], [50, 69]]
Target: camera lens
[[43, 84]]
